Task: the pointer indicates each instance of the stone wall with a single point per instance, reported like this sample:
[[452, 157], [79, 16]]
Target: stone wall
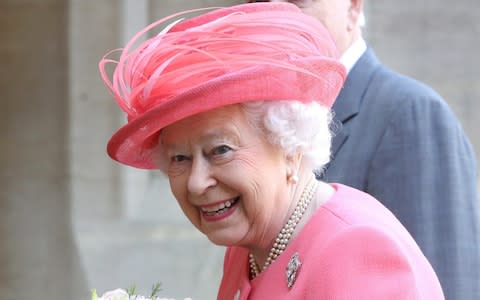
[[38, 255]]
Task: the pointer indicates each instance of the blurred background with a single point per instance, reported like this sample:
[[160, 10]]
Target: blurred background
[[71, 219]]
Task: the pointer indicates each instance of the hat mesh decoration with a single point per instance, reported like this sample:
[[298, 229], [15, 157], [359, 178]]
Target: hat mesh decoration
[[248, 52]]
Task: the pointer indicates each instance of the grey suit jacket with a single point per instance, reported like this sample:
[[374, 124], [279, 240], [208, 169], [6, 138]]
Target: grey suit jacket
[[396, 139]]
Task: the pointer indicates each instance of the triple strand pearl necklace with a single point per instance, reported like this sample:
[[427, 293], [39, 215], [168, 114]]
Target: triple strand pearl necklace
[[287, 230]]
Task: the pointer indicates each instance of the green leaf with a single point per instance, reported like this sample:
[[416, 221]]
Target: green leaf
[[132, 291], [94, 294], [155, 289]]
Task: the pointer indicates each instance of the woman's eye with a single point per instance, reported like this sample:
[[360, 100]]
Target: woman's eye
[[221, 150], [178, 158]]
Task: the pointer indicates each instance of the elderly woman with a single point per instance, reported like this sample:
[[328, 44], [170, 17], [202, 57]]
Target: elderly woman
[[233, 105]]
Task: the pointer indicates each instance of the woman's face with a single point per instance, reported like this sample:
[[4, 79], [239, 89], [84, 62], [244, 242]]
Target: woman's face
[[229, 181]]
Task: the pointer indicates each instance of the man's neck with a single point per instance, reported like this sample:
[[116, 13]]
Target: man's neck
[[350, 57]]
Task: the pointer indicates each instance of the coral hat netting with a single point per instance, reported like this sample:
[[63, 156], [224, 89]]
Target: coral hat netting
[[248, 52]]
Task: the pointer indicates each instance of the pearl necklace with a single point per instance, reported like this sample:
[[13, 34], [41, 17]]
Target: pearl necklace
[[287, 230]]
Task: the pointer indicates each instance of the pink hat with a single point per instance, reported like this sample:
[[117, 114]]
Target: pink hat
[[248, 52]]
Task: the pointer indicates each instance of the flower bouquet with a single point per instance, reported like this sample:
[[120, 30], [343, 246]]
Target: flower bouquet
[[130, 294]]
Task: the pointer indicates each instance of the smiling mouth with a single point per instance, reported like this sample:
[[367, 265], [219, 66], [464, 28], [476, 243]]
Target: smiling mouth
[[220, 208]]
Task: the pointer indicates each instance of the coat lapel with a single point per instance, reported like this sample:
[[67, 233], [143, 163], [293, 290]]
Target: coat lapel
[[348, 102]]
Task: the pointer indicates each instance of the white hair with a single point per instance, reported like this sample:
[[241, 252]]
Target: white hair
[[295, 127]]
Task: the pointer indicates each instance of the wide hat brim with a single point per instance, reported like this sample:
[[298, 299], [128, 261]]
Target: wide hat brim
[[135, 143]]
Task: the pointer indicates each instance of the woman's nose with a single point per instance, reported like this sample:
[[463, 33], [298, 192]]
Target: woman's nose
[[200, 178]]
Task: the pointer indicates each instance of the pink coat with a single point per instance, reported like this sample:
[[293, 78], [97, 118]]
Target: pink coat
[[353, 248]]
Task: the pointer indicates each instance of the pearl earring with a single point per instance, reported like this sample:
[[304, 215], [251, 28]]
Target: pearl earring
[[293, 178]]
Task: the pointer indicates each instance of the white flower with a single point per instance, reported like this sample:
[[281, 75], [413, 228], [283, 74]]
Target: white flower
[[117, 294]]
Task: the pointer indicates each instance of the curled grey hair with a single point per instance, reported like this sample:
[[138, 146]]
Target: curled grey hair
[[295, 127]]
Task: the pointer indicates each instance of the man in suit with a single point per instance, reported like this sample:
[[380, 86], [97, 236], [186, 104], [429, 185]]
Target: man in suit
[[399, 141]]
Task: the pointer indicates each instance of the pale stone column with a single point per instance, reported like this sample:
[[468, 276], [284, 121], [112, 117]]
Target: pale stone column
[[96, 181], [93, 31], [38, 255]]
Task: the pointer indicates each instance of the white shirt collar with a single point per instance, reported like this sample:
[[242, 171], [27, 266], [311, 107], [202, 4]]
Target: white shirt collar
[[352, 55]]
